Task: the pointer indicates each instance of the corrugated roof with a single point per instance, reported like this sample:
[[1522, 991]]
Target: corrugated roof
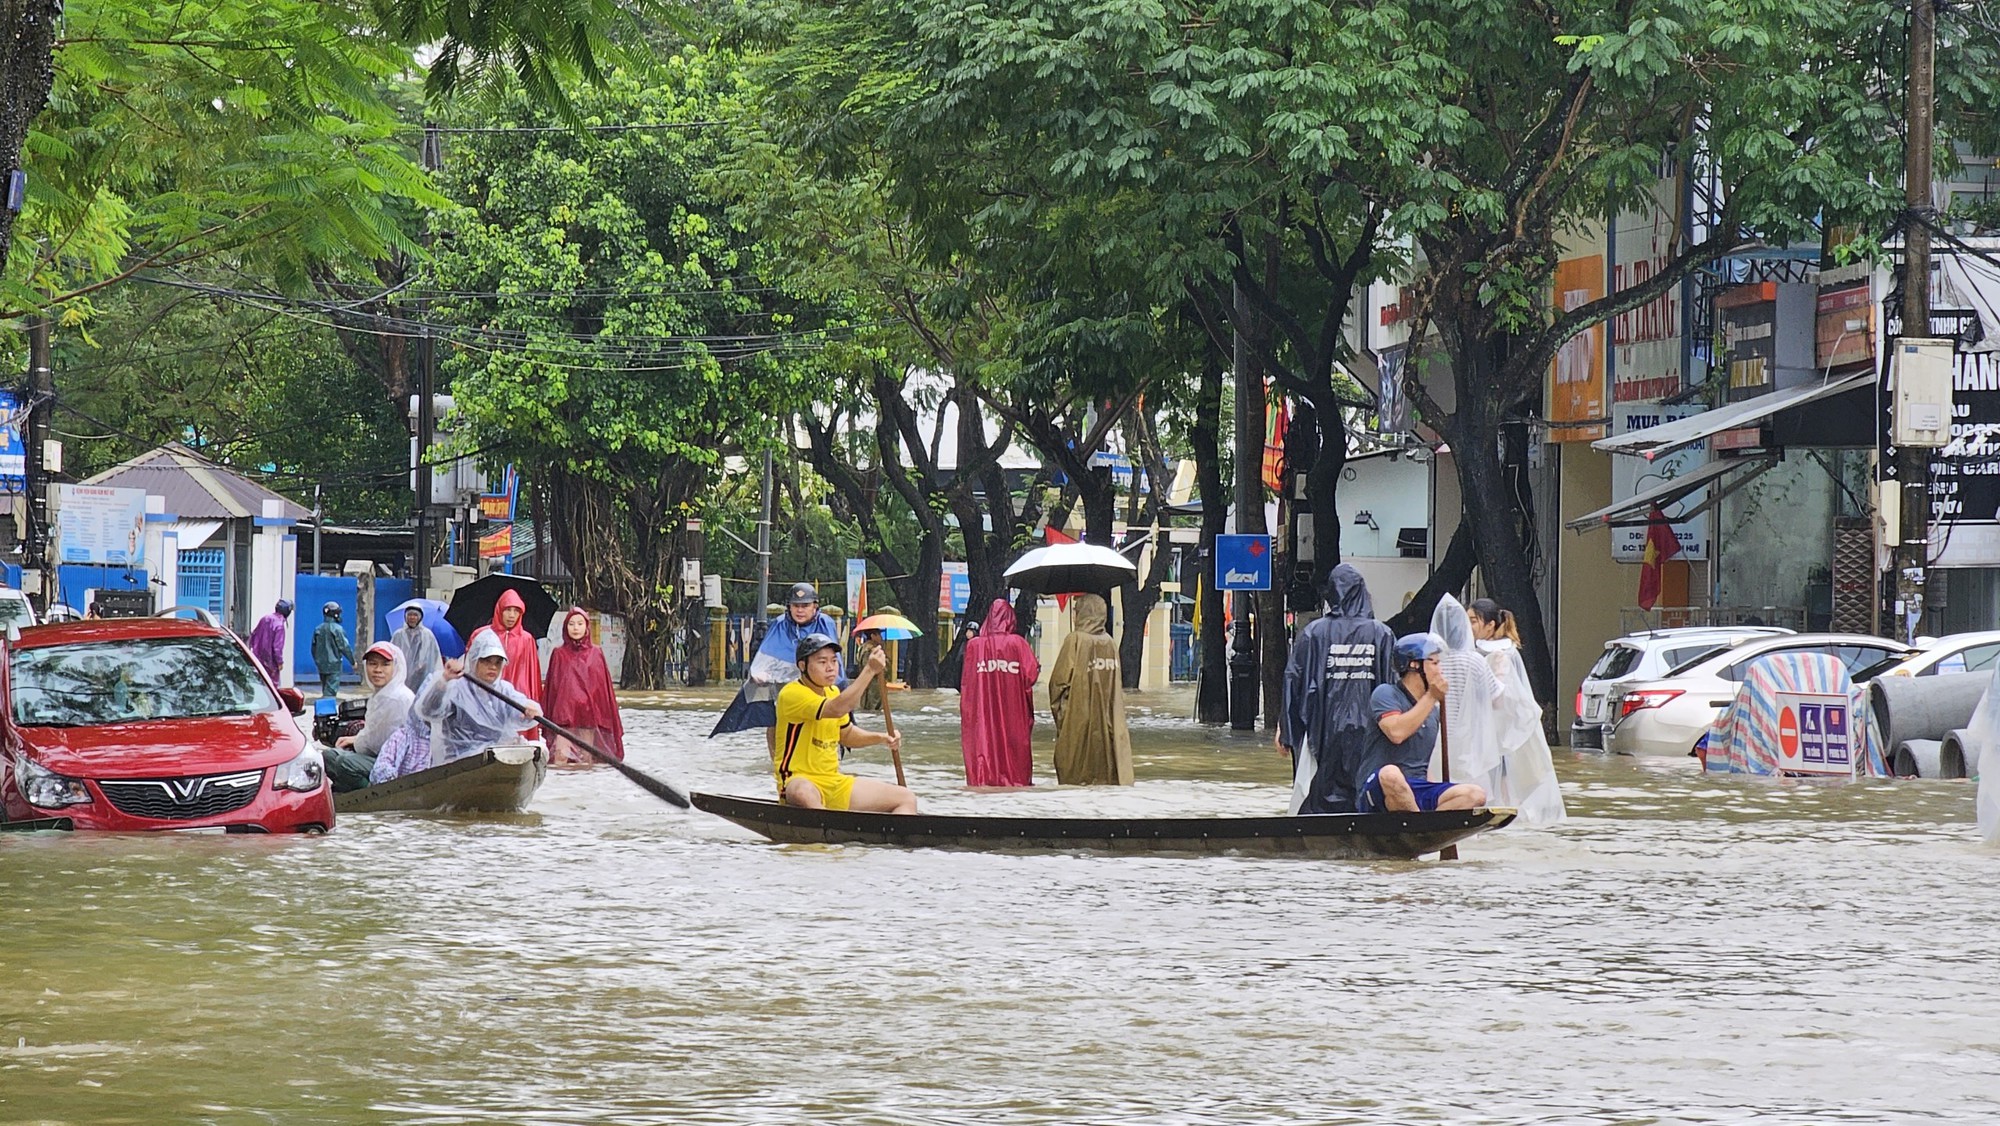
[[195, 488]]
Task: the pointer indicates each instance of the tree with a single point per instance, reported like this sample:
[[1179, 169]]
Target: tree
[[612, 333]]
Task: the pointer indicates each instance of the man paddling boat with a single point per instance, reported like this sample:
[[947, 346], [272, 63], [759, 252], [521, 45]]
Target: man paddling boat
[[1397, 755], [815, 721]]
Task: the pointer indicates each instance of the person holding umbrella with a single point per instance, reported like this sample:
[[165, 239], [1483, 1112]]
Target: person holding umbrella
[[418, 646], [1087, 696]]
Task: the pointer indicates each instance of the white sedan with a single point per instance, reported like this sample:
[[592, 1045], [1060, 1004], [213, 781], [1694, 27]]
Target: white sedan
[[1667, 716], [1955, 652]]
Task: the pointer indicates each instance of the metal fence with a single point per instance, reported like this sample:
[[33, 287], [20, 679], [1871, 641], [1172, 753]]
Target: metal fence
[[1631, 619]]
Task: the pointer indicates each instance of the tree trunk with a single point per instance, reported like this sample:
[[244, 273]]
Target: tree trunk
[[1212, 683], [625, 547], [916, 596], [1490, 509], [27, 71], [1453, 571], [1323, 497]]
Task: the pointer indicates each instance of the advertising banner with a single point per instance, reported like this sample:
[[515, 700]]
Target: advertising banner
[[100, 525], [1646, 342], [1576, 381], [1631, 476], [954, 588], [1749, 315], [857, 589], [13, 451]]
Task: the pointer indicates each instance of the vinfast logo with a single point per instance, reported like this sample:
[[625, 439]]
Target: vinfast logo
[[994, 664]]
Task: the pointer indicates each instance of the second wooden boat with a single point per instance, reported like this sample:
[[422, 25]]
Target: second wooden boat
[[496, 780], [1397, 836]]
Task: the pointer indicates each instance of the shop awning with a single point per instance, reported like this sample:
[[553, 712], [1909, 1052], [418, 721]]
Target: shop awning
[[1668, 436], [1637, 509]]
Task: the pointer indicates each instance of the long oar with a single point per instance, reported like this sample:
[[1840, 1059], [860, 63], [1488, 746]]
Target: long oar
[[640, 778], [889, 721], [1448, 852]]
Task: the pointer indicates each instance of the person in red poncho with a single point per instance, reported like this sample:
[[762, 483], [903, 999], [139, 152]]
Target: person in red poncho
[[996, 712], [524, 660], [578, 695]]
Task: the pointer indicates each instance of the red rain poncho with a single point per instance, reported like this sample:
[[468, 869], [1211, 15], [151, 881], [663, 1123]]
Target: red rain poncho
[[996, 713], [579, 694], [524, 661]]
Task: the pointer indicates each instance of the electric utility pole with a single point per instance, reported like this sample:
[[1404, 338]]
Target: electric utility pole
[[1913, 464]]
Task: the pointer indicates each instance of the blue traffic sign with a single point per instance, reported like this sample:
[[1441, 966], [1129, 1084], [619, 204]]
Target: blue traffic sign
[[1243, 562]]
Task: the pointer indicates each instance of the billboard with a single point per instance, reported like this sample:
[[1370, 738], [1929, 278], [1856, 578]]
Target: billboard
[[1646, 342], [13, 451], [100, 525], [1576, 381], [1631, 476]]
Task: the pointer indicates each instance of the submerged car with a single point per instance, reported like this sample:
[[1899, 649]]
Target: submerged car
[[1669, 714], [153, 723], [1644, 656], [1955, 652]]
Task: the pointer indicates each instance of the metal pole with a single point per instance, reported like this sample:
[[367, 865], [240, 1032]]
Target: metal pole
[[1244, 682], [1913, 465], [764, 539], [35, 433], [319, 518], [420, 564]]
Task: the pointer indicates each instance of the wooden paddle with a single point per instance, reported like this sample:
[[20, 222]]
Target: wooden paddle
[[640, 778], [889, 721], [1448, 852]]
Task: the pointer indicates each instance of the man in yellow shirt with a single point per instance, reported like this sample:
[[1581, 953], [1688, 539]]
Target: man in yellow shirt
[[814, 723]]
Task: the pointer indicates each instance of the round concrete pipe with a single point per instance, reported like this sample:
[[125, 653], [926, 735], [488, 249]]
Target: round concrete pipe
[[1924, 707], [1953, 758], [1916, 758]]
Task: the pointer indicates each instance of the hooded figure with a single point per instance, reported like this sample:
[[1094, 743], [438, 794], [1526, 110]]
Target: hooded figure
[[419, 647], [524, 660], [1333, 669], [578, 694], [267, 640], [464, 718], [1526, 778], [1087, 695], [1468, 744], [352, 762], [775, 663], [330, 649], [996, 707]]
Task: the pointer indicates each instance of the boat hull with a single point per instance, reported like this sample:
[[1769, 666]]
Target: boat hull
[[1355, 836], [497, 780]]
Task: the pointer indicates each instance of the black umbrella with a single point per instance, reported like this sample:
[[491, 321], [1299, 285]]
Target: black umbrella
[[472, 604]]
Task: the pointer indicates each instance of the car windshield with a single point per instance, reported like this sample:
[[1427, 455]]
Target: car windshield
[[134, 681]]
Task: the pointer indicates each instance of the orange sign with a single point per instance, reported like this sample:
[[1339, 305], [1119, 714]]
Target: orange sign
[[497, 545], [1576, 381]]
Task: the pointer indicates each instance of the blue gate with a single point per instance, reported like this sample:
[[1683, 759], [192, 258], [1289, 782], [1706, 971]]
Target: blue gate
[[200, 579]]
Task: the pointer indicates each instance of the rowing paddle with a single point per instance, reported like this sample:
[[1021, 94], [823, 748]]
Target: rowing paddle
[[889, 722], [640, 778], [1448, 852]]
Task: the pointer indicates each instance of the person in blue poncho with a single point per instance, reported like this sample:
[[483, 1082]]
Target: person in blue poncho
[[775, 665]]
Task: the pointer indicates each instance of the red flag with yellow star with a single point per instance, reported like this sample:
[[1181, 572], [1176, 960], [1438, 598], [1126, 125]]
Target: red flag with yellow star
[[1661, 545]]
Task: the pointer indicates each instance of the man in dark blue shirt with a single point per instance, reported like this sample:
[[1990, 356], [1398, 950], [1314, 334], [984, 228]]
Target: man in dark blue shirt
[[1396, 759]]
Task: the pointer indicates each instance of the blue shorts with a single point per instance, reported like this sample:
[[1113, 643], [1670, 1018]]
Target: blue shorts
[[1427, 793]]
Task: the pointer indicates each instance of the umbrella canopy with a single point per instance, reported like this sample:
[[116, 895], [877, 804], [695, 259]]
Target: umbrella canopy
[[1071, 568], [472, 604], [450, 644], [894, 627]]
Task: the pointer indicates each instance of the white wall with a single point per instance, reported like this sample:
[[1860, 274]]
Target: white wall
[[1396, 491]]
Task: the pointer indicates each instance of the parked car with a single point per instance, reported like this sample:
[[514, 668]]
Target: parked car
[[1667, 715], [15, 609], [1644, 656], [153, 723], [1957, 652]]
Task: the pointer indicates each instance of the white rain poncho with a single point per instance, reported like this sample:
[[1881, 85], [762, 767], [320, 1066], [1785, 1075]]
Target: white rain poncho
[[465, 719], [1526, 779], [1468, 741], [1982, 757]]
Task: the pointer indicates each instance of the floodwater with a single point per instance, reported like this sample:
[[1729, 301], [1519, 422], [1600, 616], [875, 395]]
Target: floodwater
[[1683, 950]]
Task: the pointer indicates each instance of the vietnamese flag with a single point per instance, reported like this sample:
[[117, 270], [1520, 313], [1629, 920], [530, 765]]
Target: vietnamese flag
[[1661, 545]]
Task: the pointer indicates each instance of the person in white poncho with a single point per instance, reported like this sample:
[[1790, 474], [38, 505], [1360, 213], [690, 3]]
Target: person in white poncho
[[1526, 777], [1982, 758]]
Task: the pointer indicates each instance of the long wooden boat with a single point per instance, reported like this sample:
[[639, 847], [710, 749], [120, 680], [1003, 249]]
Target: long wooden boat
[[1403, 836], [496, 780]]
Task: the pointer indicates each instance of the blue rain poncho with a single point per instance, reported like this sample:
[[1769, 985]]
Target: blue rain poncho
[[775, 665], [1334, 667]]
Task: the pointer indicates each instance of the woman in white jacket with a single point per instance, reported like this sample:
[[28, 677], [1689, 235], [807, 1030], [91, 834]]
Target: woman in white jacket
[[352, 758], [1526, 779]]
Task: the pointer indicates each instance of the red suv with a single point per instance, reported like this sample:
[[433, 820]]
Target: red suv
[[153, 723]]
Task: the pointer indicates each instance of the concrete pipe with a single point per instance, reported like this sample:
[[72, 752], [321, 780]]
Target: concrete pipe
[[1924, 707], [1953, 757], [1916, 758]]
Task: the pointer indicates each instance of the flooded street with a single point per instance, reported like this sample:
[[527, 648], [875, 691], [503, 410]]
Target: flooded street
[[1683, 950]]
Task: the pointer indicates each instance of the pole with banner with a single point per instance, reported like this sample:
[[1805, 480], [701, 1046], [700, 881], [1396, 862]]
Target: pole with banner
[[857, 595]]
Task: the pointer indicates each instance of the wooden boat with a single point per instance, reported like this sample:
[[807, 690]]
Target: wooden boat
[[1347, 836], [496, 780]]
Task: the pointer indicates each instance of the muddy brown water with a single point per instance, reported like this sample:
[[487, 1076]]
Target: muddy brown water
[[1683, 950]]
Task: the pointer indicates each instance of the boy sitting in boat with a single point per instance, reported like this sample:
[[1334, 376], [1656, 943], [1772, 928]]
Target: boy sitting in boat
[[1397, 755], [814, 723]]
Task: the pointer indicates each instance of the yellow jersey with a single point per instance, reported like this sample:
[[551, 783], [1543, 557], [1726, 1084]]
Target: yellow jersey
[[809, 747]]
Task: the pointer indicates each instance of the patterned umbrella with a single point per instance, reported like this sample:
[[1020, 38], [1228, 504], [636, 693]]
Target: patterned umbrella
[[894, 627]]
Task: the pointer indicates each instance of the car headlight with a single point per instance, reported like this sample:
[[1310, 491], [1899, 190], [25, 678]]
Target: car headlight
[[304, 774], [47, 789]]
